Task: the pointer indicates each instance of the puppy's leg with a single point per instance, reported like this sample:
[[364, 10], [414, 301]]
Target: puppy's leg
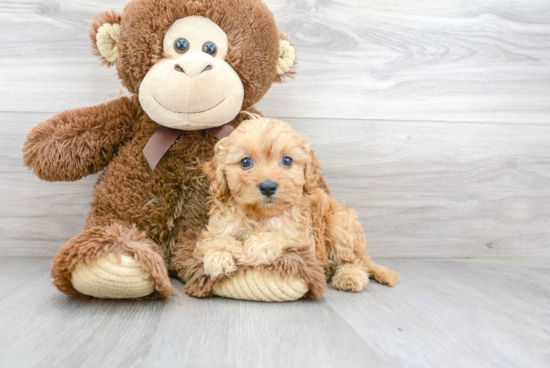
[[347, 247], [345, 242], [264, 247], [351, 276], [220, 256]]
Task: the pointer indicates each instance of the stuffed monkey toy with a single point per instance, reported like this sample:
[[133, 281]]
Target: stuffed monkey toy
[[191, 67]]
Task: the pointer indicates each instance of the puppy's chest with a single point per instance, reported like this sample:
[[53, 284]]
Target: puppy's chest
[[278, 224], [272, 237], [284, 225]]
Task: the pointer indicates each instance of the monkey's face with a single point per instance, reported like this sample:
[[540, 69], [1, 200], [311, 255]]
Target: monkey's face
[[192, 87], [194, 64]]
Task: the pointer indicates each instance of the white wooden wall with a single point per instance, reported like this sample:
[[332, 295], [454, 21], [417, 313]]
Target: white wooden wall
[[431, 117]]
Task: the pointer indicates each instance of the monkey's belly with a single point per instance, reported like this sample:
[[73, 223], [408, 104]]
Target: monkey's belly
[[162, 202]]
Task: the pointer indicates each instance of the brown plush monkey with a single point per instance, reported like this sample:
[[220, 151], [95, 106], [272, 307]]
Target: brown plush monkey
[[191, 66]]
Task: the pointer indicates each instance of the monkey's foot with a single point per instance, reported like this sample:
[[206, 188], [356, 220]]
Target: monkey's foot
[[256, 285], [110, 279]]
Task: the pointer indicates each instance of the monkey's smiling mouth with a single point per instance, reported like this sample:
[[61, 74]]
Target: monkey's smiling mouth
[[188, 113]]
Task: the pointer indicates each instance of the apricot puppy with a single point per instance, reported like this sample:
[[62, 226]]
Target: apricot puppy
[[267, 200]]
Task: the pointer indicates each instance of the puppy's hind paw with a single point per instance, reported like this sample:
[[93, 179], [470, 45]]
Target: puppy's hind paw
[[349, 278], [219, 264]]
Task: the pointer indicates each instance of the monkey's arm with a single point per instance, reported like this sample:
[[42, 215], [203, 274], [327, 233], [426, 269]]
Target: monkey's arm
[[77, 143]]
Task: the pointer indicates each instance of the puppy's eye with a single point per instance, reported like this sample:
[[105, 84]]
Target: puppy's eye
[[246, 163], [209, 48], [287, 161], [181, 45]]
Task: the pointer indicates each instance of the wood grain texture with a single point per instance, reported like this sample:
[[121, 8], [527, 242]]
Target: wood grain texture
[[421, 189], [477, 61], [444, 313], [448, 313]]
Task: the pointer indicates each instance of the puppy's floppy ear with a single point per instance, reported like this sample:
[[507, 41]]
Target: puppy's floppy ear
[[311, 173], [104, 36], [214, 169], [287, 59]]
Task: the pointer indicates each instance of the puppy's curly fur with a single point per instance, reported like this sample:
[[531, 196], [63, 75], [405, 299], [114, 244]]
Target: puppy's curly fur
[[248, 228]]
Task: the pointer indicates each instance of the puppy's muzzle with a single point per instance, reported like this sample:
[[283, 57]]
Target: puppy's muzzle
[[268, 188]]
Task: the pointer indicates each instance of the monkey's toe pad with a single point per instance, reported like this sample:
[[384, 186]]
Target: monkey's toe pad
[[256, 285], [107, 278]]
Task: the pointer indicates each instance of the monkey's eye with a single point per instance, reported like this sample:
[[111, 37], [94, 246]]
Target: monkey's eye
[[246, 163], [209, 48], [181, 45], [287, 161]]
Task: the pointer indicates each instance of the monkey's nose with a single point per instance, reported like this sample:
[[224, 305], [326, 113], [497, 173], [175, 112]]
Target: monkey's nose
[[268, 188], [179, 68]]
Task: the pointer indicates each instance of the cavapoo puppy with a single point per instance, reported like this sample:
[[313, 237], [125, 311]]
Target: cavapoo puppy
[[268, 200]]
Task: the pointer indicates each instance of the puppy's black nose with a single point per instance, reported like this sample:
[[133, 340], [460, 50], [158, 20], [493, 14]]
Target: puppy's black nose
[[268, 188]]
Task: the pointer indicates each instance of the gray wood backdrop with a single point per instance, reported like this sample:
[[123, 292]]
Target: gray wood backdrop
[[431, 117]]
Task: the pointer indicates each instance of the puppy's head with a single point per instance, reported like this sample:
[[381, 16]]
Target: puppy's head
[[264, 165]]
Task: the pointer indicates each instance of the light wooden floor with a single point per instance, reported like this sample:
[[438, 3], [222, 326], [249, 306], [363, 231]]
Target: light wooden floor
[[444, 313]]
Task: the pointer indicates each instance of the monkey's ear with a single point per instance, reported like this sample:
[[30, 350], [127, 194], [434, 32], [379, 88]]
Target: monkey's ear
[[287, 59], [104, 36]]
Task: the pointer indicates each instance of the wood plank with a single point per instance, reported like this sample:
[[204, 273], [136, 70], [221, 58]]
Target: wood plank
[[53, 330], [421, 189], [37, 217], [426, 60], [443, 313], [440, 190], [477, 61], [455, 313], [11, 269]]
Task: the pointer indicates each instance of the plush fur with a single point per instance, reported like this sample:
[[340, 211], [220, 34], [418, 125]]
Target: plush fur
[[108, 17], [300, 223], [153, 215], [95, 242]]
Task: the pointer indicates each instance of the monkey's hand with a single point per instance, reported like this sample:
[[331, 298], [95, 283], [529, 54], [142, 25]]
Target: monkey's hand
[[77, 143]]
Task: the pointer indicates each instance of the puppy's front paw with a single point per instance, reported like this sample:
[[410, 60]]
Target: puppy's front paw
[[264, 248], [349, 278], [219, 264]]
